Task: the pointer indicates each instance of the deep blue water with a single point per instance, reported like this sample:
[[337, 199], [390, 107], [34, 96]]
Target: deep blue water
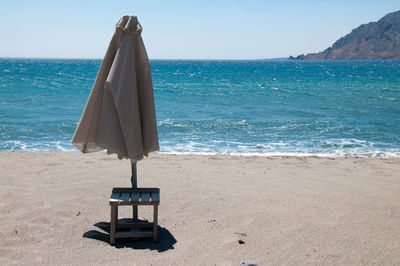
[[326, 108]]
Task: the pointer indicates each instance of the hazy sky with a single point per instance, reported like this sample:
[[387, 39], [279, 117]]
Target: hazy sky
[[183, 29]]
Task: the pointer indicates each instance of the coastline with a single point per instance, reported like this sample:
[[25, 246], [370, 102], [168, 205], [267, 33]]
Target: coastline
[[286, 210]]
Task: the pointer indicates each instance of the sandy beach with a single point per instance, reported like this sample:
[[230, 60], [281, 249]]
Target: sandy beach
[[285, 210]]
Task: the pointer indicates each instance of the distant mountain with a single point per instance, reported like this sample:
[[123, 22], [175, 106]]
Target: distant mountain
[[375, 40]]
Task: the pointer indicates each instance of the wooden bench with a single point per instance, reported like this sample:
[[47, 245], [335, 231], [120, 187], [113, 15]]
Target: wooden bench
[[133, 197]]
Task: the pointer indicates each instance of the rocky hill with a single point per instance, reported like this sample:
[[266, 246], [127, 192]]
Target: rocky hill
[[375, 40]]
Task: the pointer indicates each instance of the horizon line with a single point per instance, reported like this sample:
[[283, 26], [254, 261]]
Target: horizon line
[[171, 59]]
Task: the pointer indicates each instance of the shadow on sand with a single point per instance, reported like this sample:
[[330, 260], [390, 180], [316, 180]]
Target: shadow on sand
[[165, 242]]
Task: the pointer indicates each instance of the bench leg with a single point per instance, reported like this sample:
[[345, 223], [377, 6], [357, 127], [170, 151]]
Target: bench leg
[[155, 223], [113, 224]]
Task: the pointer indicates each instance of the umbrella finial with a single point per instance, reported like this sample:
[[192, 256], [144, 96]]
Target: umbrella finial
[[130, 24]]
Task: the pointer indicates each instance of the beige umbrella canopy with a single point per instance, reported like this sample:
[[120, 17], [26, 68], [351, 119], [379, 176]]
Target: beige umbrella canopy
[[120, 115]]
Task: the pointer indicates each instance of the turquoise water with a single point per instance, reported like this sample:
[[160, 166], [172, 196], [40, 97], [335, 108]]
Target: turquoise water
[[325, 108]]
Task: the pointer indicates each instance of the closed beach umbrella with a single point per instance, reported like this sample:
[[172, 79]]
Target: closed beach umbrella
[[119, 115]]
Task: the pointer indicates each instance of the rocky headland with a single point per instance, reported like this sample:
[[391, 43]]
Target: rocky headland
[[373, 41]]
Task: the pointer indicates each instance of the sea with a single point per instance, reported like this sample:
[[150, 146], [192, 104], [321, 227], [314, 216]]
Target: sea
[[251, 107]]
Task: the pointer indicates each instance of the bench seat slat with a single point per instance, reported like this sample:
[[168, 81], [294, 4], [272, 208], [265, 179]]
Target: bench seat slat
[[124, 197], [155, 197], [114, 197], [145, 197], [135, 197]]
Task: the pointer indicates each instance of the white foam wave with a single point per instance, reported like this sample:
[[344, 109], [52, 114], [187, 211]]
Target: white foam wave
[[14, 145], [17, 145], [335, 149], [338, 154]]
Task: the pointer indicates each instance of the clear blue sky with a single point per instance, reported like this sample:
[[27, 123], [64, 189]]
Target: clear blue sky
[[183, 29]]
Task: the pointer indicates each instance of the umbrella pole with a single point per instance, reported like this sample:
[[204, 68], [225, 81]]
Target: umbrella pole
[[134, 185]]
